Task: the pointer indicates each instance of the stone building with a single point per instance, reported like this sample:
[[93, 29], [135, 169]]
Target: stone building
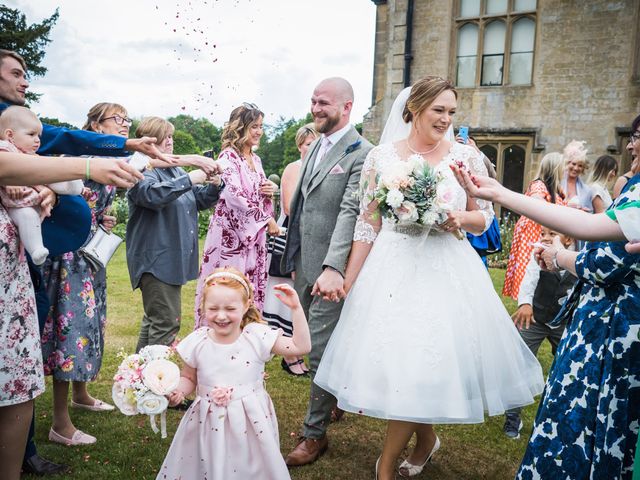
[[531, 75]]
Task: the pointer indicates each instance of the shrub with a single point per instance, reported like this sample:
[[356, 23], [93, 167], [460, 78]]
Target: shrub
[[507, 224]]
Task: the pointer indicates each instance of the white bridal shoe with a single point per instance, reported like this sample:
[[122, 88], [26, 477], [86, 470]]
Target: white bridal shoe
[[413, 470]]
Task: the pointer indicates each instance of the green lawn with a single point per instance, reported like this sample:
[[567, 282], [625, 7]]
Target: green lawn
[[128, 449]]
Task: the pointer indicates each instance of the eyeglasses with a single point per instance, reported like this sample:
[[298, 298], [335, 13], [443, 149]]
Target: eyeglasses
[[634, 137], [119, 120], [250, 106]]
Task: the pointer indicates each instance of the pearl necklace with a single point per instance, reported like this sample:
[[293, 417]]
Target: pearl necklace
[[425, 152]]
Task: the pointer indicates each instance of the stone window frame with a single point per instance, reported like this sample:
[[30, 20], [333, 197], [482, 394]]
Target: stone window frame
[[500, 142], [481, 21], [636, 63]]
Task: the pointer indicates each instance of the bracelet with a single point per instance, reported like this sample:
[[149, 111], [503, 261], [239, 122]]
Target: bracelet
[[87, 173]]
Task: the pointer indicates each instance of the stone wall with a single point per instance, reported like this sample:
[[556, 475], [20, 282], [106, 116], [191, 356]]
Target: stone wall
[[585, 76]]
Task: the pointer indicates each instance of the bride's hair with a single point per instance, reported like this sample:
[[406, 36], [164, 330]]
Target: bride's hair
[[551, 171], [236, 131], [423, 93]]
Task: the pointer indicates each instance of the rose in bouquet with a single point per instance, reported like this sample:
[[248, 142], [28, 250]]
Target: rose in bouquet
[[142, 381], [413, 196]]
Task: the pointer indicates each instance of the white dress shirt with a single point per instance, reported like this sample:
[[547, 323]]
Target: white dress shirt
[[327, 142]]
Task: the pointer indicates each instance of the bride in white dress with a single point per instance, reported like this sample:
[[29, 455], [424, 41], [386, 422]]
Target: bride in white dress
[[423, 337]]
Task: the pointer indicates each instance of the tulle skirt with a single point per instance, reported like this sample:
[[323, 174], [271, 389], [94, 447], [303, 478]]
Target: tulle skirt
[[424, 337]]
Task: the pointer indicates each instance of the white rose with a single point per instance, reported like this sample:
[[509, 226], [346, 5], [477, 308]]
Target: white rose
[[155, 352], [161, 376], [124, 402], [152, 404], [429, 217], [394, 198], [407, 212]]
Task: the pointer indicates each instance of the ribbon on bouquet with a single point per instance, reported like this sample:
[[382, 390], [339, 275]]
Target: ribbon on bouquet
[[163, 424]]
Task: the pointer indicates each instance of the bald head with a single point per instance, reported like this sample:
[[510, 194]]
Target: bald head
[[341, 88], [15, 117], [331, 104]]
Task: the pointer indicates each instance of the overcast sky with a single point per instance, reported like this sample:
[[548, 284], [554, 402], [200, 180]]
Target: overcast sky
[[202, 58]]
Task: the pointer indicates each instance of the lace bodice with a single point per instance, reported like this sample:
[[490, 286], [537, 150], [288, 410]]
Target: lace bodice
[[383, 157]]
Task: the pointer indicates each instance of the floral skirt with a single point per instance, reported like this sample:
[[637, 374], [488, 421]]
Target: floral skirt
[[73, 336]]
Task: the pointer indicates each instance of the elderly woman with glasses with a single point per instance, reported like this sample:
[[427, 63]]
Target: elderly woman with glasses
[[238, 229], [73, 336]]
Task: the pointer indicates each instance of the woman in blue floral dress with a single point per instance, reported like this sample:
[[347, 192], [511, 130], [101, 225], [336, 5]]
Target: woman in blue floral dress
[[73, 336], [588, 420]]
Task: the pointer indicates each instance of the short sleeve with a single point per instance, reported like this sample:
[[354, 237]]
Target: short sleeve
[[188, 347], [627, 215], [539, 189], [262, 338]]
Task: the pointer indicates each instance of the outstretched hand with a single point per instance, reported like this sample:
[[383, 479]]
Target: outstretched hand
[[206, 164], [148, 146], [109, 171], [482, 187], [287, 295]]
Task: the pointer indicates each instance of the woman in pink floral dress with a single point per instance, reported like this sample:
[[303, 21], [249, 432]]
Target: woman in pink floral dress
[[244, 213], [21, 378]]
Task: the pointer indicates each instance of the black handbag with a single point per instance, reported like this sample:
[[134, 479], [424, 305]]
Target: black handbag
[[275, 246], [565, 315]]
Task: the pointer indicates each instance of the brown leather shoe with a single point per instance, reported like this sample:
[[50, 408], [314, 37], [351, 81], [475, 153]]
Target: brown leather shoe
[[307, 451]]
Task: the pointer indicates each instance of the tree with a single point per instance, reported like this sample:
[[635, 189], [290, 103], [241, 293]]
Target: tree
[[279, 148], [27, 40], [205, 134], [57, 123], [183, 143]]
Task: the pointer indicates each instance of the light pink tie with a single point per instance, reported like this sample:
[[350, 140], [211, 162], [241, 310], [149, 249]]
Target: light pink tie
[[325, 145]]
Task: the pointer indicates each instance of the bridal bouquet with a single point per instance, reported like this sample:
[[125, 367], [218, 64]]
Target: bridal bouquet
[[413, 196], [142, 381]]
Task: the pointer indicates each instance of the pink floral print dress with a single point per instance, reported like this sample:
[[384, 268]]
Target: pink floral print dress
[[21, 377], [237, 230]]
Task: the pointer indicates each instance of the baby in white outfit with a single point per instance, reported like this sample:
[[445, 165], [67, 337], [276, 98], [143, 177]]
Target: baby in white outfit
[[20, 131]]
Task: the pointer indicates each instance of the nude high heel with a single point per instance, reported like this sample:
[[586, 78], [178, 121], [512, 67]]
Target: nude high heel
[[413, 470]]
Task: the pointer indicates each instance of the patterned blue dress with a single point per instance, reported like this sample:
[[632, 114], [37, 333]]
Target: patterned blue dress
[[587, 423], [73, 335]]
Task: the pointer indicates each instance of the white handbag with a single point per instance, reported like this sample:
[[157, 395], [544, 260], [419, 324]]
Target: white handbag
[[100, 248]]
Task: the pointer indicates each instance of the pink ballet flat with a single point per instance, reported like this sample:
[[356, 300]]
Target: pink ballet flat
[[98, 406], [79, 438]]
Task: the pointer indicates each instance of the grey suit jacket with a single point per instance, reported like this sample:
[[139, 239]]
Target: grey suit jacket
[[324, 208]]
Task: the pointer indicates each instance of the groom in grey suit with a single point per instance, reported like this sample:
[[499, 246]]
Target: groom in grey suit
[[324, 208]]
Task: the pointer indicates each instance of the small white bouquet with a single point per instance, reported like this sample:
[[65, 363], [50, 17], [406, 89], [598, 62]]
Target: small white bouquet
[[413, 196], [142, 381]]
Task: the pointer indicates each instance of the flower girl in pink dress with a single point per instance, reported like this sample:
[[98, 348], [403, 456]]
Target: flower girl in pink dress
[[231, 431]]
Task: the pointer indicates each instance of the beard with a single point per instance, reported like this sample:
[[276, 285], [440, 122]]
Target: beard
[[326, 124]]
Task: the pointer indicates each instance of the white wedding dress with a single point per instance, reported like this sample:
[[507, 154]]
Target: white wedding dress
[[423, 336]]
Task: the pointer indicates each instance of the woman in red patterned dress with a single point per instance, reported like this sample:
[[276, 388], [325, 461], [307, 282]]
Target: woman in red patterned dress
[[546, 186]]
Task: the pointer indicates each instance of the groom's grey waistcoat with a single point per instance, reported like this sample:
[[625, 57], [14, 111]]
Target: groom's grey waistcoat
[[324, 207]]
